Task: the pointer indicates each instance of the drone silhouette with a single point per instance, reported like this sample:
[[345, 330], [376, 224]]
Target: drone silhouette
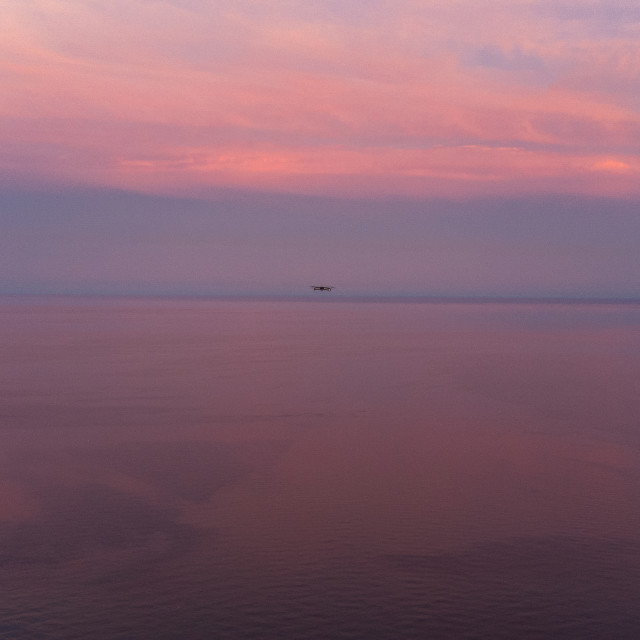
[[319, 288]]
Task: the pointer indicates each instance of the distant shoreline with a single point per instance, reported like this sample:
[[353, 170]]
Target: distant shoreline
[[321, 297]]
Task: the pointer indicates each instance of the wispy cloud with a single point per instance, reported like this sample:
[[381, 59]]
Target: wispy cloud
[[487, 96]]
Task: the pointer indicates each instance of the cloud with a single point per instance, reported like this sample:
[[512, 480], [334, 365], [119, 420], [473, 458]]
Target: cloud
[[513, 60], [416, 96], [608, 17], [106, 241]]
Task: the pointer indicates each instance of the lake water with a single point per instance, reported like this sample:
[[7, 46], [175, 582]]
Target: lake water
[[191, 469]]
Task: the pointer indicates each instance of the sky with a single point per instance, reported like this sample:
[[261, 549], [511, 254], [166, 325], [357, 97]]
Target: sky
[[401, 147]]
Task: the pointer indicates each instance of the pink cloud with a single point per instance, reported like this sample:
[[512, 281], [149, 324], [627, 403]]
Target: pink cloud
[[427, 97]]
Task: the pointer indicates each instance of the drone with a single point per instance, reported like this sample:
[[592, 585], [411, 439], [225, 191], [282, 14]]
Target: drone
[[319, 288]]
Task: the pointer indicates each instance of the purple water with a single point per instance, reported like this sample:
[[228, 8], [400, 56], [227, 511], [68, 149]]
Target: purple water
[[249, 469]]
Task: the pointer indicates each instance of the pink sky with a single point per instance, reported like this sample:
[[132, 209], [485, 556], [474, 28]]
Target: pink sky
[[401, 97], [418, 147]]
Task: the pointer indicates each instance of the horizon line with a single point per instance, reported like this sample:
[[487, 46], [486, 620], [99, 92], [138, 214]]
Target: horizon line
[[333, 297]]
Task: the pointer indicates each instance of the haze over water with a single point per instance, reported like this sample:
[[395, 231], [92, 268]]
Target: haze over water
[[271, 469]]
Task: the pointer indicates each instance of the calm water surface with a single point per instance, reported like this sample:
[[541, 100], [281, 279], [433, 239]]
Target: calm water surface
[[293, 470]]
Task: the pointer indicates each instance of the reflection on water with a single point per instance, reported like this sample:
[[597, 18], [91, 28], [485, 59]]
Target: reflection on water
[[238, 469]]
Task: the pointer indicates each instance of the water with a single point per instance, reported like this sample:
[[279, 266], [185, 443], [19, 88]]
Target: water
[[245, 469]]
